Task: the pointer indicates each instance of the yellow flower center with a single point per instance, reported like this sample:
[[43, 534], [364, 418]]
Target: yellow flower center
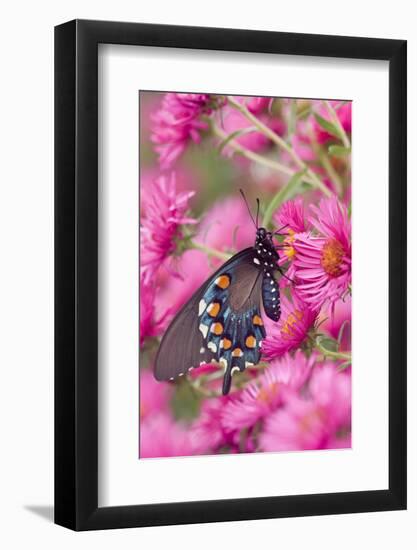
[[287, 330], [332, 257], [268, 394], [307, 422], [289, 250]]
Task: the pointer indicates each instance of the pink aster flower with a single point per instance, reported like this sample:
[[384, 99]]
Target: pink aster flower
[[233, 121], [149, 326], [164, 214], [338, 321], [176, 123], [343, 113], [292, 216], [300, 425], [323, 263], [254, 104], [320, 421], [207, 431], [227, 226], [332, 391], [309, 130], [154, 396], [266, 394], [297, 318], [161, 436]]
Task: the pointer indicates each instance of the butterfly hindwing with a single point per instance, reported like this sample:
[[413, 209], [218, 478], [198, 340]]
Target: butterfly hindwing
[[230, 320], [221, 322]]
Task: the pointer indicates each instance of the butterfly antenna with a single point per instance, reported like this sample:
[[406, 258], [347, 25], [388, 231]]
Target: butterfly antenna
[[286, 276], [278, 231], [257, 213], [247, 206]]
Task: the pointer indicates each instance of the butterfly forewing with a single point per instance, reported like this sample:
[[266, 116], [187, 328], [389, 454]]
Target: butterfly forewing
[[221, 322]]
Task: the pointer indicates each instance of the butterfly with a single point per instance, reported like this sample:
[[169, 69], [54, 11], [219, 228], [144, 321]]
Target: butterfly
[[222, 321]]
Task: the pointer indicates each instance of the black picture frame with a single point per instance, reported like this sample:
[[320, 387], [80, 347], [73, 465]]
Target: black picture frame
[[76, 271]]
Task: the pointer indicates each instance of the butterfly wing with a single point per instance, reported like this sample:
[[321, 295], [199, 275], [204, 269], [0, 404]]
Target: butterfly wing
[[220, 322]]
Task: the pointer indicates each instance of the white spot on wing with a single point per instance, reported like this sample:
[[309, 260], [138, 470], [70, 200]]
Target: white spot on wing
[[202, 350], [234, 369], [212, 346], [223, 362], [203, 329], [201, 307], [256, 261]]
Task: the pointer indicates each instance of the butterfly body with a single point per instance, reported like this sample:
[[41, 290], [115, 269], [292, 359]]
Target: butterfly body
[[222, 321]]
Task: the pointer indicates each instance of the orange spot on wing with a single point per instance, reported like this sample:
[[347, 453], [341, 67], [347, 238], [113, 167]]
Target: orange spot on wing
[[213, 309], [217, 328], [250, 341], [227, 344], [256, 320], [223, 281], [237, 352]]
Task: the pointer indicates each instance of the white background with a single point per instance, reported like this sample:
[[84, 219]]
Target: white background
[[26, 176], [122, 478]]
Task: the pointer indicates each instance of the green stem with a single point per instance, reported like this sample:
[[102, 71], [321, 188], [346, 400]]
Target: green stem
[[254, 157], [282, 195], [333, 354], [336, 122], [280, 143], [210, 251], [327, 165]]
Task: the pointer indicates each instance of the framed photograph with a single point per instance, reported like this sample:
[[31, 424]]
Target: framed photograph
[[230, 245]]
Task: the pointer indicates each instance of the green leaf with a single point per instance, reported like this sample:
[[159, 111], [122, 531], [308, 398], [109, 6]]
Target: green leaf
[[344, 366], [338, 150], [344, 325], [234, 135], [328, 126], [329, 344], [185, 403], [284, 194]]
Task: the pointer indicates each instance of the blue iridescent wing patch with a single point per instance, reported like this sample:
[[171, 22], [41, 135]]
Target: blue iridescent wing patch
[[230, 320]]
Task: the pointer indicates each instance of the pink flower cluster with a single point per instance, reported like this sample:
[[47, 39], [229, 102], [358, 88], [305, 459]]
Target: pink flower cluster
[[308, 130], [164, 212], [298, 403], [176, 123], [298, 397], [318, 249]]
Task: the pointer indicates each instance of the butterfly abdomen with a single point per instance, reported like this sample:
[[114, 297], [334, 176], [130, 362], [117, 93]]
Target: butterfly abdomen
[[271, 297]]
